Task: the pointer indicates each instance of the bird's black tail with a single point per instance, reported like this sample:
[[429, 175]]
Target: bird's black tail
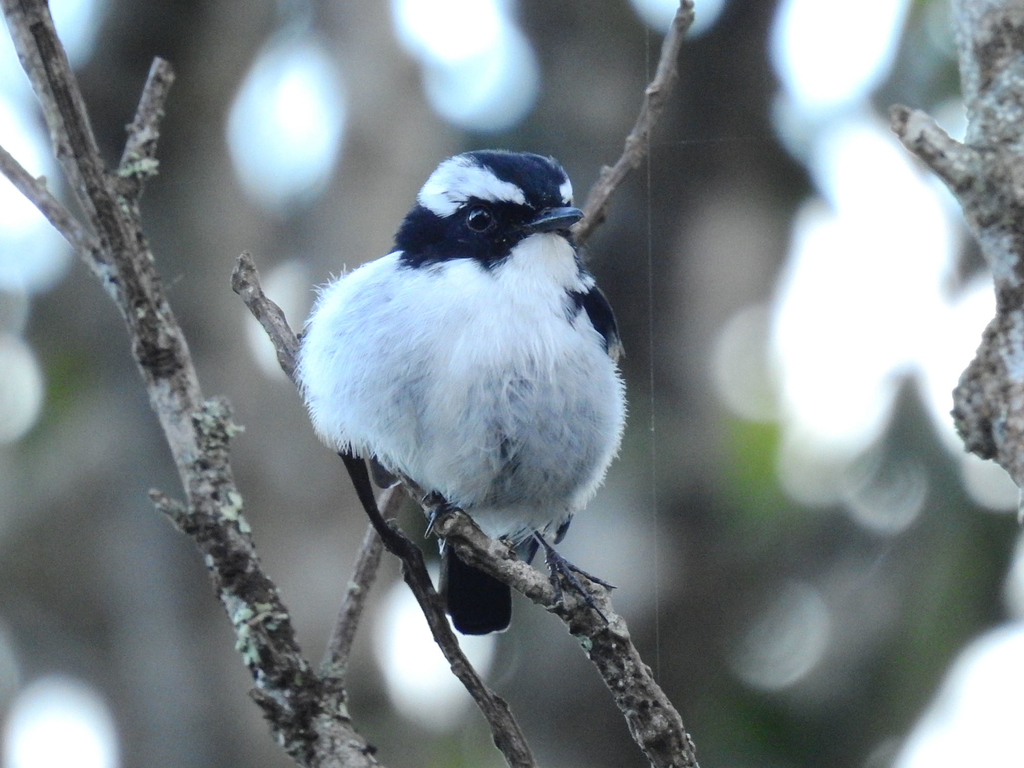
[[478, 603]]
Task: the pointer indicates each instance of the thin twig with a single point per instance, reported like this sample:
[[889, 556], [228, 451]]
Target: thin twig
[[956, 164], [158, 344], [43, 59], [60, 218], [505, 730], [245, 281], [138, 161], [508, 736], [364, 573], [655, 95]]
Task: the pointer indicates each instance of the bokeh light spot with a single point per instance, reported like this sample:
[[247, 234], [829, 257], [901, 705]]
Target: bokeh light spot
[[658, 14], [58, 722], [447, 30], [785, 641], [286, 125], [885, 495], [862, 300], [739, 365], [78, 23], [491, 91], [21, 388], [480, 73], [976, 714], [988, 484], [32, 255], [419, 681], [831, 54]]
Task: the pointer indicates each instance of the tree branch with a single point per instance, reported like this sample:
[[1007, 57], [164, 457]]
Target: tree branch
[[138, 161], [956, 164], [508, 736], [364, 573], [986, 174], [654, 723], [78, 237], [245, 281], [308, 718], [595, 209]]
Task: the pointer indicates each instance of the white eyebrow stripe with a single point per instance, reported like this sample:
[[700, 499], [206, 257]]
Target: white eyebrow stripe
[[458, 179], [565, 190]]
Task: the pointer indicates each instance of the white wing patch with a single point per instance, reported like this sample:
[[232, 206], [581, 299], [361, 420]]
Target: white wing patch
[[458, 179], [565, 189]]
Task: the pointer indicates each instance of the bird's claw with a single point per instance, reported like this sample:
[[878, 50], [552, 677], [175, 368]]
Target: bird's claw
[[439, 506], [559, 566]]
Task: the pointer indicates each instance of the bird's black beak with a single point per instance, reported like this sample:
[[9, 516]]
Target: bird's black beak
[[555, 219]]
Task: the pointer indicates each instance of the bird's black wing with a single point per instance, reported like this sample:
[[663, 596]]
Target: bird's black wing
[[594, 303]]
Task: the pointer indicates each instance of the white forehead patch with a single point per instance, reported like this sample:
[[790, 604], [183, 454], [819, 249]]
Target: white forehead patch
[[458, 179], [566, 191]]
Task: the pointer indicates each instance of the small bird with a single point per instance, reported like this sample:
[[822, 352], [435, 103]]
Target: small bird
[[478, 359]]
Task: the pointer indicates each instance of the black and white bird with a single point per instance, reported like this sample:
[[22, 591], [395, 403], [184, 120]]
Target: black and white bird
[[478, 359]]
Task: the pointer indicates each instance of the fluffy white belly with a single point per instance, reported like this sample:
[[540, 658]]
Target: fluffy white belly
[[496, 398]]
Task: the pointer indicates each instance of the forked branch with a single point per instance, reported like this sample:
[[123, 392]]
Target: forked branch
[[984, 174]]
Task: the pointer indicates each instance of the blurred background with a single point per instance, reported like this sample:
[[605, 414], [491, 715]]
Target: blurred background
[[815, 570]]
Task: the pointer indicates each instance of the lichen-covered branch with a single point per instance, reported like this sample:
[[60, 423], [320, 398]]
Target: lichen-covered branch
[[956, 164], [309, 719], [138, 160], [986, 173], [653, 722]]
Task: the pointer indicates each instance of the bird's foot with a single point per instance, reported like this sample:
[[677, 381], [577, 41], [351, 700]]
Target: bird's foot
[[439, 506], [558, 566]]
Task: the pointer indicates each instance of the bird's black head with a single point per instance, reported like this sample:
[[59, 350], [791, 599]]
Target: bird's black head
[[478, 205]]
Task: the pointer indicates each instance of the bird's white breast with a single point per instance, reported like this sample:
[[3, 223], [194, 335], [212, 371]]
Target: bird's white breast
[[472, 382]]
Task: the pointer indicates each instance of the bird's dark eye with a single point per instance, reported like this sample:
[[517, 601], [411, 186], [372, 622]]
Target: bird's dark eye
[[479, 218]]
